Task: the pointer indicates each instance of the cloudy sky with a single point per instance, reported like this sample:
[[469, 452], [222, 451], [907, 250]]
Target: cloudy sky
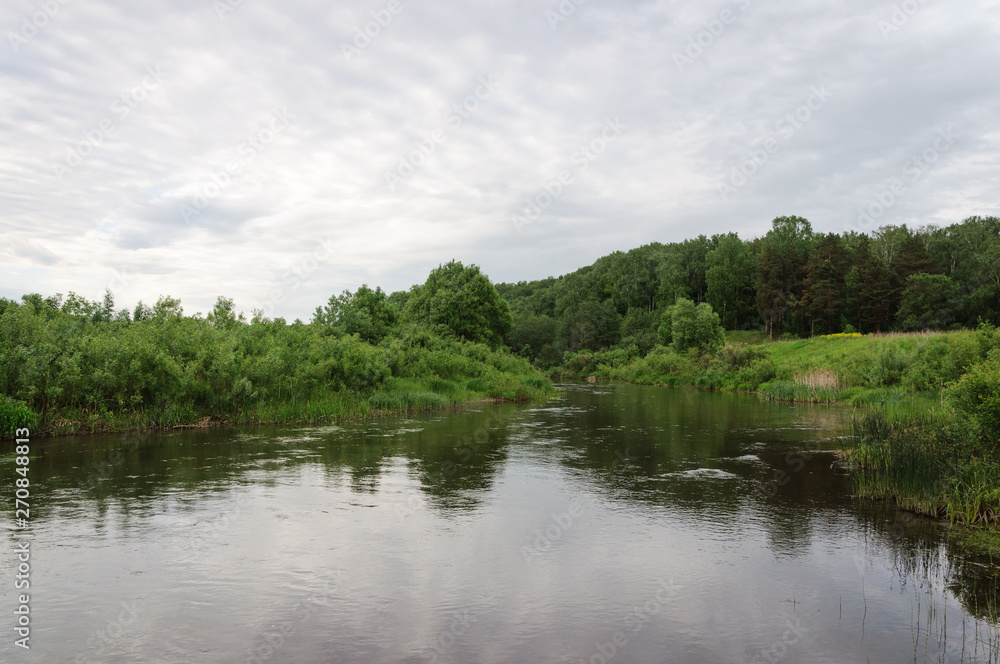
[[277, 153]]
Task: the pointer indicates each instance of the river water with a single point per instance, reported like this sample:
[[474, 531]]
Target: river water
[[611, 524]]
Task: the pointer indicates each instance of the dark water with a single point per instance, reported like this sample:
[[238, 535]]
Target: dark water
[[614, 524]]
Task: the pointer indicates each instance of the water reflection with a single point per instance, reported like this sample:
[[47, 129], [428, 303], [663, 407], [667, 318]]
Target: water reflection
[[694, 526]]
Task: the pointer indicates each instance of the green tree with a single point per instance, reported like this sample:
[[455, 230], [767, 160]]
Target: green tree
[[223, 314], [367, 313], [639, 328], [682, 269], [781, 272], [731, 271], [824, 297], [592, 325], [635, 284], [463, 300], [532, 332], [926, 303], [871, 287], [696, 326], [969, 253], [912, 258], [977, 396]]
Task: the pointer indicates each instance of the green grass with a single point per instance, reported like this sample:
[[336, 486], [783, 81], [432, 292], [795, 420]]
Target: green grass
[[856, 370], [746, 337], [928, 462]]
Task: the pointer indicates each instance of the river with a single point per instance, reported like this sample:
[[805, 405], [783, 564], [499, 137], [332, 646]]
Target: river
[[615, 523]]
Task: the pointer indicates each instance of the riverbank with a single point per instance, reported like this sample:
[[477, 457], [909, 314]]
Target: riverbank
[[410, 398], [853, 369], [927, 425], [67, 374]]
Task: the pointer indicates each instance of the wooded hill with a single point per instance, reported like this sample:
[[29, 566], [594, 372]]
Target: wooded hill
[[790, 282]]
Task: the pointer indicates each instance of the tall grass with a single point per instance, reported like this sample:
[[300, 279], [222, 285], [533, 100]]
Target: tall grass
[[928, 463]]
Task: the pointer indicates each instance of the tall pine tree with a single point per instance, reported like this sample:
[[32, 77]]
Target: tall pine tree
[[823, 299]]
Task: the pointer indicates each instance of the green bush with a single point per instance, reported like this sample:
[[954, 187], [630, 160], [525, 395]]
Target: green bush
[[940, 361], [976, 395], [14, 415], [165, 368], [740, 355], [885, 366], [696, 327]]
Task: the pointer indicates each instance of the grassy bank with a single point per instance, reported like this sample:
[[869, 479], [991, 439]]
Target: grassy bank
[[927, 428], [939, 463], [856, 369], [63, 373]]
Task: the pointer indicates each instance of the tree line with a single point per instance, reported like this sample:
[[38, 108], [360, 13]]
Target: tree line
[[790, 282], [72, 364]]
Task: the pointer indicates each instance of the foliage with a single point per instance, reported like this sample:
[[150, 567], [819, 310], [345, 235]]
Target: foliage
[[462, 300], [789, 284], [638, 329], [976, 395], [696, 327], [67, 370], [367, 313], [926, 303], [729, 277], [781, 272], [531, 334], [14, 415]]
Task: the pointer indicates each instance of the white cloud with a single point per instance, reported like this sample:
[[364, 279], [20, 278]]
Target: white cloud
[[323, 176]]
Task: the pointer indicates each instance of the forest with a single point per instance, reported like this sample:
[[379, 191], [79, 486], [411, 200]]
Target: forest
[[791, 283]]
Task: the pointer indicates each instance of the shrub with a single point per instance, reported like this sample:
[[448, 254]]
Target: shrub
[[696, 327], [886, 366], [977, 396], [15, 414], [941, 360], [741, 355]]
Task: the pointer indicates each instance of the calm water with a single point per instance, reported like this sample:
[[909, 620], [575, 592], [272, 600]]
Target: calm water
[[613, 524]]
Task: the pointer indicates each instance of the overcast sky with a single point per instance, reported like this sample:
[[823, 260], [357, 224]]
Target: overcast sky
[[277, 153]]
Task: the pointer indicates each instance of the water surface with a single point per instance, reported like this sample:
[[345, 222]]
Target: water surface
[[612, 524]]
